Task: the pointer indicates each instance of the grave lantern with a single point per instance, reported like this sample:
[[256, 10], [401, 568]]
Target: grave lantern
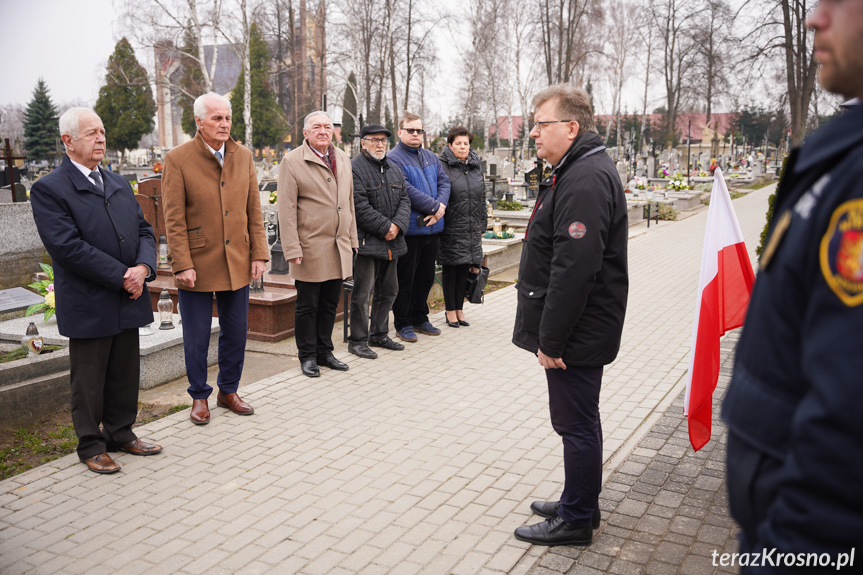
[[163, 254], [32, 341], [166, 309]]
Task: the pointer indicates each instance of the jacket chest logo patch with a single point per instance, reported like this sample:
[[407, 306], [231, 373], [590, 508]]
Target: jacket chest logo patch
[[842, 253], [577, 230]]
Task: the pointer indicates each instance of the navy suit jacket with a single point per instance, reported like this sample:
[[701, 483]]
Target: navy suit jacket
[[93, 239]]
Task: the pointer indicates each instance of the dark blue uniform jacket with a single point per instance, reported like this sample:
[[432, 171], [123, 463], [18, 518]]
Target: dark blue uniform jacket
[[794, 408]]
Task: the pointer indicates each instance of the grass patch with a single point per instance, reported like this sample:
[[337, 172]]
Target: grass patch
[[26, 447], [759, 185], [21, 353]]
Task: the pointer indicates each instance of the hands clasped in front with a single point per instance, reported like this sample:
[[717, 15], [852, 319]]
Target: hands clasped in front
[[134, 280]]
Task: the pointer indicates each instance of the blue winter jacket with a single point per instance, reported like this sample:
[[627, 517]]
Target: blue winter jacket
[[427, 185]]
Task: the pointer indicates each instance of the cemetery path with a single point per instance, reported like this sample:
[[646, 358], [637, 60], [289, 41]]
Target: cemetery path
[[422, 461]]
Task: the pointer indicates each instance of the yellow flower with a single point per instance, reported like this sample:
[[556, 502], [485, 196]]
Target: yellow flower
[[49, 300]]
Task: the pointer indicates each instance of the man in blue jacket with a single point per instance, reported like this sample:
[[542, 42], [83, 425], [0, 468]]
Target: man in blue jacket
[[428, 189], [103, 252], [793, 408]]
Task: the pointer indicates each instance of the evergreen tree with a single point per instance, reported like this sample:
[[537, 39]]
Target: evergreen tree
[[191, 82], [40, 124], [267, 118], [125, 102], [349, 110]]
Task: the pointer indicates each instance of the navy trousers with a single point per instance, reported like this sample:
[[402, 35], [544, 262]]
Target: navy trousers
[[415, 271], [196, 309], [573, 400]]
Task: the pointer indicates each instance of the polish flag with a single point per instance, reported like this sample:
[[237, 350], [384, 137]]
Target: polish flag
[[723, 294]]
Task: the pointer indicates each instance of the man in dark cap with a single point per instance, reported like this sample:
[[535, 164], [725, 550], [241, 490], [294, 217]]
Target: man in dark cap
[[382, 211]]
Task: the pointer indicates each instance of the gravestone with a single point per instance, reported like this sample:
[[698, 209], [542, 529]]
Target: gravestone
[[651, 167], [533, 178], [17, 299], [17, 193], [21, 249], [149, 197], [621, 172], [664, 157], [703, 161], [673, 162]]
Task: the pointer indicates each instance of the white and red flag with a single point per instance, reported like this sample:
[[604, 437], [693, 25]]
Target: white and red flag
[[723, 294]]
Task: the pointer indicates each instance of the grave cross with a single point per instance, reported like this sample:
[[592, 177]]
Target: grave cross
[[9, 166]]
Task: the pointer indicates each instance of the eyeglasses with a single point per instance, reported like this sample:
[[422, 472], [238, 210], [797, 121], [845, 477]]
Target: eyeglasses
[[539, 125], [414, 130], [376, 141]]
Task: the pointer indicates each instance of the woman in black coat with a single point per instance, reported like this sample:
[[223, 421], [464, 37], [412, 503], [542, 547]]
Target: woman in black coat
[[464, 223]]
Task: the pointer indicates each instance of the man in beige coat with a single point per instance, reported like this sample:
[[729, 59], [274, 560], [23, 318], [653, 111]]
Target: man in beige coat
[[217, 244], [316, 218]]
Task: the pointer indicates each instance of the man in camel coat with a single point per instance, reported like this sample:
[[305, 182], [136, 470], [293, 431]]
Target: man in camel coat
[[319, 234], [217, 244]]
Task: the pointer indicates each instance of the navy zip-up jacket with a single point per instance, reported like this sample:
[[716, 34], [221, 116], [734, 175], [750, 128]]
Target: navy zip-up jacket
[[427, 185]]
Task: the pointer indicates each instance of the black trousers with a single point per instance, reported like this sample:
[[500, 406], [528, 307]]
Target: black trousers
[[315, 316], [416, 276], [573, 400], [197, 312], [377, 279], [454, 279], [104, 376]]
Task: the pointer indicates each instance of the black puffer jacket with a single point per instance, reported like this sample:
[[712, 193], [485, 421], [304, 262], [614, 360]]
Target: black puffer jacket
[[380, 199], [573, 279], [466, 214]]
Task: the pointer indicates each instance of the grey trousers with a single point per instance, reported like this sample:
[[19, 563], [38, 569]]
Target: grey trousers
[[377, 279]]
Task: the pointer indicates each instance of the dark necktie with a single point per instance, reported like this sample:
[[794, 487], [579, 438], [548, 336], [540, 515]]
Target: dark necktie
[[218, 155], [97, 177]]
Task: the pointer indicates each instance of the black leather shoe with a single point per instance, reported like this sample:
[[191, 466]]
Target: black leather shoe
[[331, 362], [548, 509], [310, 368], [555, 531], [463, 322], [385, 342], [452, 323], [362, 349]]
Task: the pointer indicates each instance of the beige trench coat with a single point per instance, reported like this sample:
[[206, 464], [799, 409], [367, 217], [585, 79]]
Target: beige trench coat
[[213, 215], [316, 215]]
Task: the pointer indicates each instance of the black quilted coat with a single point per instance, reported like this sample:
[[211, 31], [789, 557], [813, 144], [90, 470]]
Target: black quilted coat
[[380, 199], [466, 214]]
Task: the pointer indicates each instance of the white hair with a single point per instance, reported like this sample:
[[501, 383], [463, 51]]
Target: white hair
[[70, 121], [201, 103], [315, 113]]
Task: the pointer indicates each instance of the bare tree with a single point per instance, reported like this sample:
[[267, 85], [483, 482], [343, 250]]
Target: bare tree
[[565, 43], [713, 34], [672, 19], [620, 45]]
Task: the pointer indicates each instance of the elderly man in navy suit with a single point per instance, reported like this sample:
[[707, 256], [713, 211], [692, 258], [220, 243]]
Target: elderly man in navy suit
[[103, 252]]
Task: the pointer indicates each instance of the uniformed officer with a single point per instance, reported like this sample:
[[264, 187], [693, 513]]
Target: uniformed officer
[[572, 294], [794, 408]]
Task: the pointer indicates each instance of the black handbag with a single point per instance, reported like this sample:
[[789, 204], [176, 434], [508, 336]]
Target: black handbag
[[477, 278]]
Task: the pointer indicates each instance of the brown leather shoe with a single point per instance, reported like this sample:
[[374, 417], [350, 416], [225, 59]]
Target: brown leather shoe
[[137, 447], [200, 414], [233, 402], [101, 463]]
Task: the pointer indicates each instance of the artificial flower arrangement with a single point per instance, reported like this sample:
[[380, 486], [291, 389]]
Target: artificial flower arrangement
[[677, 183], [273, 197], [503, 235], [46, 290], [640, 184]]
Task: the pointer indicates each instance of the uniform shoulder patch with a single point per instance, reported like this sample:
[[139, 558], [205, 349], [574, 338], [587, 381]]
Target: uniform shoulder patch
[[841, 253], [577, 230]]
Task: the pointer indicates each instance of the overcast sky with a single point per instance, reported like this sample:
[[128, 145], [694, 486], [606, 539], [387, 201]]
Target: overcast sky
[[66, 42]]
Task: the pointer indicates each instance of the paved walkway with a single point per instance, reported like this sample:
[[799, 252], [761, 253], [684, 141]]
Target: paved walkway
[[422, 461]]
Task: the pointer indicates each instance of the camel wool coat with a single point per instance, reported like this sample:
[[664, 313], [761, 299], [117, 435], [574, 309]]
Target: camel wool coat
[[316, 215], [213, 217]]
